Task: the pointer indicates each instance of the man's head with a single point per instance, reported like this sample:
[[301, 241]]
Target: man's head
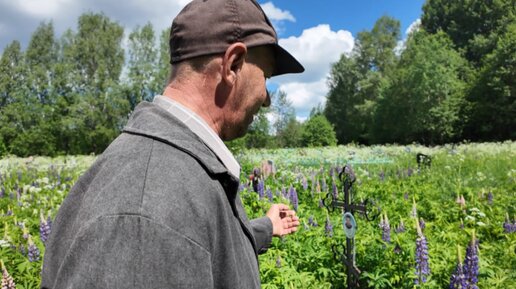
[[228, 48], [207, 27]]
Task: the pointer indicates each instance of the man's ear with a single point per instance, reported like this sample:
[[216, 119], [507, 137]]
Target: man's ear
[[233, 61]]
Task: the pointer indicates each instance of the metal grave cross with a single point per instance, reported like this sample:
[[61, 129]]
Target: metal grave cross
[[347, 178]]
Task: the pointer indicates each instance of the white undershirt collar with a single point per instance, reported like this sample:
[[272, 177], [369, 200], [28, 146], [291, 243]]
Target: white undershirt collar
[[198, 126]]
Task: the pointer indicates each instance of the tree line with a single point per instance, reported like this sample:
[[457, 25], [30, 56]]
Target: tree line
[[453, 80], [74, 94]]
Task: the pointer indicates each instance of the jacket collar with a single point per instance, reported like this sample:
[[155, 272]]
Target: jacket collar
[[150, 120]]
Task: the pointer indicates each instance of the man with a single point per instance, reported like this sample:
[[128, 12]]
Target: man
[[160, 208]]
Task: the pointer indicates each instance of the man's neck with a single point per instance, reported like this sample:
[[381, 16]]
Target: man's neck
[[197, 101]]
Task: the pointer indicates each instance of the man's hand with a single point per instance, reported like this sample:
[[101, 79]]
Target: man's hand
[[284, 221]]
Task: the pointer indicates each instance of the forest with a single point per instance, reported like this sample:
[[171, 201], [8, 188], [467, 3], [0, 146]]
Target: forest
[[452, 81]]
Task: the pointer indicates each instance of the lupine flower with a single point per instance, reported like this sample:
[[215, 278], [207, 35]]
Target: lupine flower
[[278, 262], [269, 195], [413, 213], [25, 232], [334, 191], [386, 229], [33, 251], [44, 228], [2, 192], [21, 248], [304, 183], [490, 198], [293, 197], [318, 187], [409, 172], [311, 220], [422, 224], [328, 227], [381, 175], [458, 279], [400, 228], [348, 170], [7, 280], [471, 263], [261, 189], [321, 204], [9, 211], [422, 268], [461, 201], [507, 226]]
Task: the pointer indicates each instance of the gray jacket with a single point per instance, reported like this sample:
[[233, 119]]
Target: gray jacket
[[156, 210]]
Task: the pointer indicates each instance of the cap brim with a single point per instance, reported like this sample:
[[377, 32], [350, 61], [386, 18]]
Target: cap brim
[[285, 62]]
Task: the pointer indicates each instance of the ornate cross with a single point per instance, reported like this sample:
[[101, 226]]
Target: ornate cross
[[347, 178]]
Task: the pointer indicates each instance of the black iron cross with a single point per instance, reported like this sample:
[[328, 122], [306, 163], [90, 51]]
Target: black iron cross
[[347, 178]]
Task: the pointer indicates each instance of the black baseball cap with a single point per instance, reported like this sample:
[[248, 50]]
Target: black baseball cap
[[206, 27]]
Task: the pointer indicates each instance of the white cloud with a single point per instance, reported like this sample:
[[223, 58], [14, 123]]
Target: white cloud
[[276, 14], [414, 26], [400, 46], [21, 18], [317, 48], [306, 95]]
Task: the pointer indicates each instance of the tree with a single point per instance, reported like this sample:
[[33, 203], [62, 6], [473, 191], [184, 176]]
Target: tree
[[424, 99], [473, 26], [142, 63], [285, 116], [357, 80], [494, 93], [258, 135], [318, 131]]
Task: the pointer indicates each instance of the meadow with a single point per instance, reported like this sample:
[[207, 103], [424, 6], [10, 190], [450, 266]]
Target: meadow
[[449, 222]]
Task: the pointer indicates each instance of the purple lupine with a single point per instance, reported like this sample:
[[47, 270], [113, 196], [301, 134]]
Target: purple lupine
[[304, 183], [269, 195], [471, 263], [321, 204], [311, 220], [21, 248], [400, 228], [33, 251], [44, 228], [334, 191], [413, 213], [2, 192], [409, 172], [328, 227], [324, 186], [278, 262], [422, 224], [490, 198], [458, 279], [293, 197], [261, 189], [386, 229], [507, 225], [7, 280], [422, 268]]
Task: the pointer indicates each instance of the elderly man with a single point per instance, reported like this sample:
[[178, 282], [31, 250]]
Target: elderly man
[[160, 207]]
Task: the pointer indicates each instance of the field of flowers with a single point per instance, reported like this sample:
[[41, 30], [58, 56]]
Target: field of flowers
[[448, 225]]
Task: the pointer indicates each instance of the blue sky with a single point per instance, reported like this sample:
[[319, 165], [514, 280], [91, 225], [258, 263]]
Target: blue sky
[[315, 32]]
